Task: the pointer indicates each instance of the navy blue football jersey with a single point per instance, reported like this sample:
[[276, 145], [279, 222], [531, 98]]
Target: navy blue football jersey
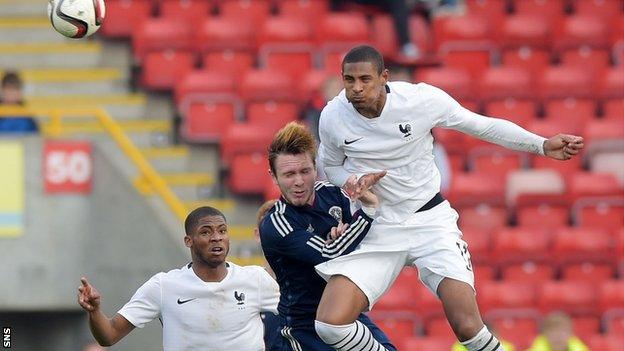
[[293, 240]]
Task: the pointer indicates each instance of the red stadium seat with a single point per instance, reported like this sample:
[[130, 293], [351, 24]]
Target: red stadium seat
[[610, 342], [482, 273], [123, 15], [542, 211], [312, 83], [479, 243], [512, 245], [611, 295], [384, 38], [244, 172], [611, 83], [505, 82], [271, 191], [615, 324], [161, 34], [439, 327], [519, 330], [296, 64], [266, 84], [605, 9], [566, 168], [429, 306], [613, 109], [192, 11], [255, 12], [473, 61], [487, 8], [396, 326], [582, 30], [495, 160], [588, 272], [529, 271], [224, 33], [586, 244], [201, 82], [403, 295], [566, 81], [304, 10], [272, 113], [465, 32], [607, 213], [482, 217], [610, 163], [236, 63], [506, 295], [161, 69], [585, 56], [585, 327], [208, 121], [287, 32], [593, 184], [526, 30], [475, 188], [426, 343], [454, 81], [520, 112], [602, 130], [553, 9], [577, 298], [571, 110], [338, 31], [535, 61], [244, 138]]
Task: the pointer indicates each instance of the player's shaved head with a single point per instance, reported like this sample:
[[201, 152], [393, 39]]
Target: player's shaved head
[[365, 53], [193, 218], [293, 139]]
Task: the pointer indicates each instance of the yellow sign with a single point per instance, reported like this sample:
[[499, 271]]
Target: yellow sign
[[11, 189]]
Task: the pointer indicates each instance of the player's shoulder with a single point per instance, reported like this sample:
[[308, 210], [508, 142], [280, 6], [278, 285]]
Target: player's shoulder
[[326, 189], [336, 106], [250, 271], [280, 220], [174, 273]]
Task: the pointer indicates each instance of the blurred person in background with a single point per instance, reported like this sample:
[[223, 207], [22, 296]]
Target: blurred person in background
[[11, 95], [310, 223], [183, 299], [557, 335], [374, 126]]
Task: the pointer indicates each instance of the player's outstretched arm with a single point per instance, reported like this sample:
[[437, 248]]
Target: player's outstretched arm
[[563, 146], [107, 331]]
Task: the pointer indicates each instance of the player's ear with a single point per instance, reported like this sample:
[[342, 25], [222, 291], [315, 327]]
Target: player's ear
[[385, 75], [187, 241], [273, 177]]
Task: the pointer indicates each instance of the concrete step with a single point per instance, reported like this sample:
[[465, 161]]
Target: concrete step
[[84, 54], [176, 180], [23, 8], [74, 81], [120, 106], [29, 30]]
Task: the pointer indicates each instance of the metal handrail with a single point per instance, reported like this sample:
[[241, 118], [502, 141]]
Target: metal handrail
[[126, 145]]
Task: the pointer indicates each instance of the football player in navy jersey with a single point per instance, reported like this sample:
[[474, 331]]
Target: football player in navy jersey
[[311, 223]]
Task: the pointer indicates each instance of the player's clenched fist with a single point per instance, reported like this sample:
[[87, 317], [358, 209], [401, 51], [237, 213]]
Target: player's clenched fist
[[563, 146], [88, 296]]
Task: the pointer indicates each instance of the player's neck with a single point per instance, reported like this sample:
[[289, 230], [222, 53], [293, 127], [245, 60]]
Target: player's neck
[[375, 111], [208, 273]]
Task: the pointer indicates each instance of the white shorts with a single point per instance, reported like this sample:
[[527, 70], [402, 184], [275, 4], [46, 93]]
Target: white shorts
[[429, 240]]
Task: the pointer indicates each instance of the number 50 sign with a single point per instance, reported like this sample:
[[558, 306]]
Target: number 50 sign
[[67, 167]]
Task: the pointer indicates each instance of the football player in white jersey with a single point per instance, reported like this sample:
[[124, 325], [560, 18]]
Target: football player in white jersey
[[374, 125], [208, 304]]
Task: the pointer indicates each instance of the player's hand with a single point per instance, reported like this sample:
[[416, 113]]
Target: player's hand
[[369, 199], [355, 189], [563, 146], [88, 296], [336, 232]]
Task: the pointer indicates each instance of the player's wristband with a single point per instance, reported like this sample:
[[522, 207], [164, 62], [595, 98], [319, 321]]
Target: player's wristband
[[370, 211]]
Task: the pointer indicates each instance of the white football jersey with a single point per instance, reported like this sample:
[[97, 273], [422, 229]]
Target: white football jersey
[[208, 316], [400, 141]]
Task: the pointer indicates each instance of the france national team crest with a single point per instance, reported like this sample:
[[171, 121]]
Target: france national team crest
[[406, 129], [336, 212], [240, 298]]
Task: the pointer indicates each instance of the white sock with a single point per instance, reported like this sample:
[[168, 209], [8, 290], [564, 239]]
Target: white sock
[[483, 341], [352, 337]]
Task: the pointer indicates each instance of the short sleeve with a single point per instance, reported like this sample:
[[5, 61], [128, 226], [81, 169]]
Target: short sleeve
[[269, 292], [145, 305]]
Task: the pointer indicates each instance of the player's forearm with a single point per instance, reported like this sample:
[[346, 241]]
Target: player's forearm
[[102, 328], [337, 175], [350, 239], [498, 131]]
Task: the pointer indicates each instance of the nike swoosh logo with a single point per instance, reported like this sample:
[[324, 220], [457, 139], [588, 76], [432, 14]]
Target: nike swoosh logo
[[347, 142], [180, 302]]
